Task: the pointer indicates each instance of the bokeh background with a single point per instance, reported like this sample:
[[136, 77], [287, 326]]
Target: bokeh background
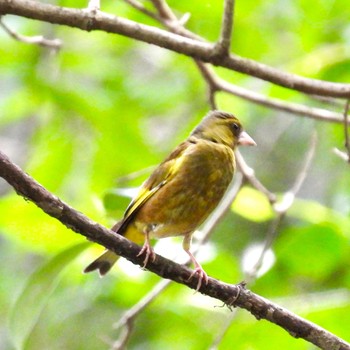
[[90, 121]]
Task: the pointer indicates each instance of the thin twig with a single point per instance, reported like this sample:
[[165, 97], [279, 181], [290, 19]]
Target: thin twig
[[138, 6], [341, 154], [141, 304], [328, 100], [212, 87], [164, 10], [94, 6], [222, 48], [211, 98], [275, 103], [306, 165], [126, 333], [34, 40], [218, 84], [249, 175], [338, 152]]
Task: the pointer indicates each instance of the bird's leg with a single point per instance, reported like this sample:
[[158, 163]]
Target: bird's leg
[[186, 244], [147, 247]]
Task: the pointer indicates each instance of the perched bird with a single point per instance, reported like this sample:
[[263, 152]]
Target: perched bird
[[183, 190]]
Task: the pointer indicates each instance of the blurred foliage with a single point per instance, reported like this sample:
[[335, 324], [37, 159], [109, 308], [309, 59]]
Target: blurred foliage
[[85, 120]]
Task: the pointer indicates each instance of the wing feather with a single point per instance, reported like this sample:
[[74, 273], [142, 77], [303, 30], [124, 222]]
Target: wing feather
[[160, 177]]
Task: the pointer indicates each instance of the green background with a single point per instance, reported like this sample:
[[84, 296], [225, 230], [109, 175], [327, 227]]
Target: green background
[[104, 107]]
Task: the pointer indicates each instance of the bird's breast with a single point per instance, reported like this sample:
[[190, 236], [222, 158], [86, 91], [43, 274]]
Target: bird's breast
[[199, 184]]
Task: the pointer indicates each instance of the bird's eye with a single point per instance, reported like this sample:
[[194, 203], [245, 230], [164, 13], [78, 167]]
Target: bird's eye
[[236, 128]]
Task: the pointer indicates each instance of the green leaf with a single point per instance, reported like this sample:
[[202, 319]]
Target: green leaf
[[36, 293]]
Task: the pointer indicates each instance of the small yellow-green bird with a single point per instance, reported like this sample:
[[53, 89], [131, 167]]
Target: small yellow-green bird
[[183, 190]]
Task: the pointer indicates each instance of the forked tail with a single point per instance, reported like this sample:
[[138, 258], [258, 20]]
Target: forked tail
[[103, 263]]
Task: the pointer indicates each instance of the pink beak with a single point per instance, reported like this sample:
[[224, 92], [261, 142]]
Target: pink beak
[[245, 140]]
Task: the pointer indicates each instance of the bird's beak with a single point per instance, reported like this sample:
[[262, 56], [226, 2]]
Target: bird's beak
[[245, 140]]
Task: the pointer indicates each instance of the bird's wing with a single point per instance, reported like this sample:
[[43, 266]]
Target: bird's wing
[[161, 176]]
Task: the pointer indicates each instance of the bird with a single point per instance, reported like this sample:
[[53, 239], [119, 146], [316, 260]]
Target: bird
[[182, 191]]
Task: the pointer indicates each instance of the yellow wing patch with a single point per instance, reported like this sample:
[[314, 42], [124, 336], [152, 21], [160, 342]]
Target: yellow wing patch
[[161, 176], [143, 195]]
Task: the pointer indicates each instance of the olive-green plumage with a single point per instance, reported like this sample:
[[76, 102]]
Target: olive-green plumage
[[183, 190]]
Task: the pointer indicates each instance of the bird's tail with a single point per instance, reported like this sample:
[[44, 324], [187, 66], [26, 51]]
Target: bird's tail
[[103, 263], [108, 258]]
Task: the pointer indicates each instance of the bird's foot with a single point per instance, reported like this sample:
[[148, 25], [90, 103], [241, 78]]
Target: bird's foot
[[202, 275], [149, 253]]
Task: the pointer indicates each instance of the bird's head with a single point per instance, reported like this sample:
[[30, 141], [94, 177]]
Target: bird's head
[[224, 128]]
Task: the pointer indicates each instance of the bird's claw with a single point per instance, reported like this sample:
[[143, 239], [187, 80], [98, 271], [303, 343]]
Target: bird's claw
[[149, 253], [202, 275]]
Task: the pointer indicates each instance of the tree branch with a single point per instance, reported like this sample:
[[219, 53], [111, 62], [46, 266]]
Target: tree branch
[[217, 84], [164, 10], [138, 6], [128, 318], [346, 128], [345, 155], [36, 40], [94, 6], [28, 188], [87, 20], [223, 45], [249, 175]]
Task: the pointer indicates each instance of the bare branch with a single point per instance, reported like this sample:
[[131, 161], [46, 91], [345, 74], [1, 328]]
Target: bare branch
[[306, 166], [341, 154], [131, 314], [258, 306], [170, 21], [94, 6], [328, 100], [222, 47], [249, 174], [345, 155], [193, 48], [138, 6], [35, 40], [212, 87], [164, 10], [289, 107], [120, 344], [218, 84]]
